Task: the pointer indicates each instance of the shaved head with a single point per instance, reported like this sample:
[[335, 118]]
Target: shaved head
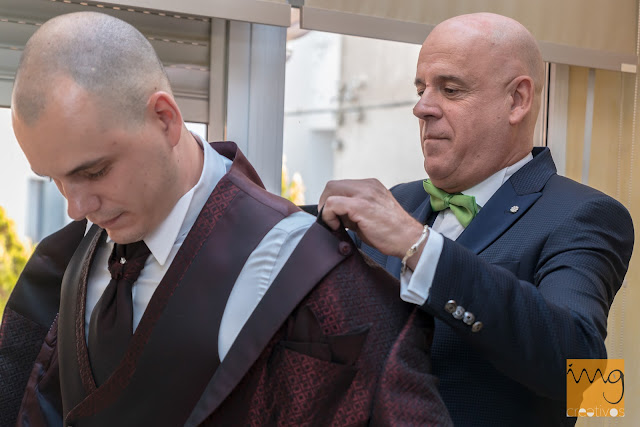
[[92, 109], [479, 78], [514, 48], [104, 55]]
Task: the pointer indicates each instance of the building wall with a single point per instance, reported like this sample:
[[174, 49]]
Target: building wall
[[348, 111], [312, 86], [380, 138]]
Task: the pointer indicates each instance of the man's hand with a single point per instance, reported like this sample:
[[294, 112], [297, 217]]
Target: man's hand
[[369, 209]]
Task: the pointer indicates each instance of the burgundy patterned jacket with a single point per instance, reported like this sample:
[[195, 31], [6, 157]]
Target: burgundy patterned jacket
[[330, 343]]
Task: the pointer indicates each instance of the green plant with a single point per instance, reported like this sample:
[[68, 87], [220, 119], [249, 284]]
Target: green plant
[[13, 257]]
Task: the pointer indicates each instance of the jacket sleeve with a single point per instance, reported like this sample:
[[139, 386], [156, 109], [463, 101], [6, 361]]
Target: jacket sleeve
[[29, 314], [407, 392]]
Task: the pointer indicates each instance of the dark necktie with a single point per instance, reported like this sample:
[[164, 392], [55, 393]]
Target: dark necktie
[[463, 207], [111, 324]]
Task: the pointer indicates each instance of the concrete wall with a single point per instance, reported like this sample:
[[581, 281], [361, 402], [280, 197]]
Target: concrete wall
[[348, 103], [312, 86], [380, 140]]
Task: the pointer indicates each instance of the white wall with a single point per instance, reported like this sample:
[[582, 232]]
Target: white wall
[[382, 141], [311, 86], [368, 130]]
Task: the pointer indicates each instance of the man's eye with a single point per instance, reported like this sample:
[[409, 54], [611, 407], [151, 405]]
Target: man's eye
[[96, 175], [450, 91]]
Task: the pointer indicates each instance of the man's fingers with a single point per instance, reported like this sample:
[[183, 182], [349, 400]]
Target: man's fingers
[[337, 188], [362, 188], [336, 208], [370, 210]]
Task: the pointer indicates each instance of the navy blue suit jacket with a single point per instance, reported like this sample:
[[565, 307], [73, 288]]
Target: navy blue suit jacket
[[541, 280]]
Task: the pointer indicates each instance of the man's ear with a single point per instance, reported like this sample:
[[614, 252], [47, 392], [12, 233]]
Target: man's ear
[[522, 92], [163, 110]]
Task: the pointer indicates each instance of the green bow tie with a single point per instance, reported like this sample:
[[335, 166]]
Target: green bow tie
[[463, 207]]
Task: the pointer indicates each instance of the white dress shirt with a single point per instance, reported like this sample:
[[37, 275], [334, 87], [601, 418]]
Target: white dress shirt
[[261, 268], [415, 285]]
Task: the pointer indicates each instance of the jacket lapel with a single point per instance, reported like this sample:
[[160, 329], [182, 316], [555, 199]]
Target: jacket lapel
[[296, 279], [502, 210], [509, 203], [71, 346]]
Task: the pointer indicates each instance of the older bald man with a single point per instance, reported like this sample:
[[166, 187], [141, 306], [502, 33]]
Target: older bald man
[[518, 265]]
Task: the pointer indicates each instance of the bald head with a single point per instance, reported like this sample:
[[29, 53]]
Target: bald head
[[107, 57], [479, 80], [513, 47]]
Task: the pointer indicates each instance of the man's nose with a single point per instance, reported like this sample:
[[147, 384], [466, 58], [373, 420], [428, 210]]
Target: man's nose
[[427, 106], [80, 201]]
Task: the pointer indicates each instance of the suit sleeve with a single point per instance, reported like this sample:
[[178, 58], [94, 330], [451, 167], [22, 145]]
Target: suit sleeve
[[531, 327], [30, 311], [407, 393]]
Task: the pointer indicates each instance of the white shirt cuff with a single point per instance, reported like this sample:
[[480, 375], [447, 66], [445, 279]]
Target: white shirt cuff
[[415, 285]]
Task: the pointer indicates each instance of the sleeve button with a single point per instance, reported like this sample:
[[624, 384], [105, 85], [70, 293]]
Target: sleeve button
[[450, 306], [458, 313], [476, 327], [469, 318]]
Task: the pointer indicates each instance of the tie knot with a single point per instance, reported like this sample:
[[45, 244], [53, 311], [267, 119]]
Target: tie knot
[[126, 261], [447, 198], [464, 207]]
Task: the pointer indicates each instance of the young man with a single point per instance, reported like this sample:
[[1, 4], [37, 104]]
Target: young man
[[191, 296]]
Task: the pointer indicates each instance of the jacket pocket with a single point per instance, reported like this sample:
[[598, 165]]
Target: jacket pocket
[[305, 390], [310, 374], [305, 336]]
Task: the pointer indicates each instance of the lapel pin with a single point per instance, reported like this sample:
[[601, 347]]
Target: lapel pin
[[514, 209]]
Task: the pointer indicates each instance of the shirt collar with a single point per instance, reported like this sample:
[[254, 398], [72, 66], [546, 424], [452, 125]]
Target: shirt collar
[[486, 189]]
